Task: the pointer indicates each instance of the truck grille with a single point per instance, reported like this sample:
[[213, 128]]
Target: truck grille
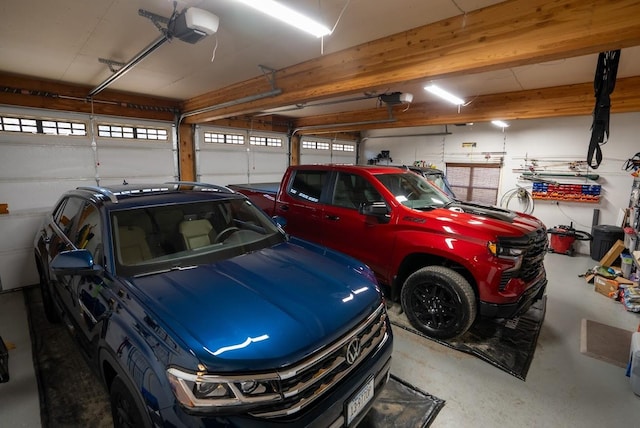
[[535, 245], [303, 383]]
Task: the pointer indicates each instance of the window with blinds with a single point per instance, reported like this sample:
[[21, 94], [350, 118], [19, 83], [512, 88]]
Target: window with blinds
[[474, 182]]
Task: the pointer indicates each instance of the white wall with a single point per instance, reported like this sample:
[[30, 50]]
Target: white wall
[[547, 140]]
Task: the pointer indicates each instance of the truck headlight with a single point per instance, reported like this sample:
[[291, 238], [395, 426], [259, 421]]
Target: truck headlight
[[510, 253], [209, 392]]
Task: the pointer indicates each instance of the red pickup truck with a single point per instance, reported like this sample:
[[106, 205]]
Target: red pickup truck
[[447, 261]]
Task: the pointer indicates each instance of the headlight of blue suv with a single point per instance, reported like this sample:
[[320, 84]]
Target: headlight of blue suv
[[201, 391]]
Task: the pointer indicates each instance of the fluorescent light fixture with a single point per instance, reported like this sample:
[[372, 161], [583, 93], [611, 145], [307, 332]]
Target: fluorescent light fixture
[[290, 16], [444, 94], [500, 123]]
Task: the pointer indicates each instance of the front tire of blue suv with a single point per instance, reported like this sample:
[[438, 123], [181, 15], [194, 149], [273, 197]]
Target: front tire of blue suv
[[127, 412]]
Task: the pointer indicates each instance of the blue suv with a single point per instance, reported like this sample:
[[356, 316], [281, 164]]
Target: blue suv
[[197, 310]]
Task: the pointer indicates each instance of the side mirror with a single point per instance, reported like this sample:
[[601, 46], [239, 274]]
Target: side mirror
[[280, 221], [75, 262], [378, 210]]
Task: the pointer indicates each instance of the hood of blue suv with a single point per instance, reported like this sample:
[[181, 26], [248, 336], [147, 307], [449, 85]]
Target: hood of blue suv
[[264, 309]]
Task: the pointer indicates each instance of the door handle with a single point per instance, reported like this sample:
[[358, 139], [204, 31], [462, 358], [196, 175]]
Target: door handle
[[332, 217], [284, 207]]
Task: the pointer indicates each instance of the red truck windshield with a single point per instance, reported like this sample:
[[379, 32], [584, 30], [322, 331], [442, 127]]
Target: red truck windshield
[[414, 191]]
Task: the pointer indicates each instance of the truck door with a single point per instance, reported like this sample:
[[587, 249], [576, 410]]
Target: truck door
[[346, 230], [301, 205]]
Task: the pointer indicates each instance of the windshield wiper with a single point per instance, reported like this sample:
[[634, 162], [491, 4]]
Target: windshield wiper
[[173, 268]]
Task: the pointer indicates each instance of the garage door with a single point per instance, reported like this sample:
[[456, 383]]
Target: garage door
[[318, 150], [236, 156], [44, 153]]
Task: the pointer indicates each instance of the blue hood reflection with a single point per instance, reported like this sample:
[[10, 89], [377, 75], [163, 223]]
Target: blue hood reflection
[[262, 310]]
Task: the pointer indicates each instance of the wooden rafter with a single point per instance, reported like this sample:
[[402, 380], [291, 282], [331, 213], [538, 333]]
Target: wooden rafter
[[570, 100], [508, 34], [30, 92]]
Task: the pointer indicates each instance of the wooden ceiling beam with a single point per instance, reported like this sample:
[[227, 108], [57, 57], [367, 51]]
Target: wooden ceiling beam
[[507, 34], [560, 101], [37, 93]]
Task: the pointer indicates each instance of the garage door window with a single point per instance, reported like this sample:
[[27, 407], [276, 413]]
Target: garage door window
[[339, 147], [315, 145], [42, 126], [215, 137], [265, 141], [132, 132]]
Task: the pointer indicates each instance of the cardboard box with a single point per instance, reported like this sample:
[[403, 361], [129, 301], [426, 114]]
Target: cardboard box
[[613, 253], [604, 286]]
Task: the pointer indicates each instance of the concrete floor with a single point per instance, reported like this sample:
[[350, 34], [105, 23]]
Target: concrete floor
[[19, 401], [563, 388]]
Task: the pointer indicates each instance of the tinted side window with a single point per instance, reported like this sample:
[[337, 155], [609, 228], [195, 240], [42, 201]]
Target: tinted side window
[[308, 185], [352, 190], [67, 217], [88, 235]]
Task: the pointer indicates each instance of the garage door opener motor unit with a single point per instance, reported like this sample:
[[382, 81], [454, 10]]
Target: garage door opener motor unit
[[193, 24]]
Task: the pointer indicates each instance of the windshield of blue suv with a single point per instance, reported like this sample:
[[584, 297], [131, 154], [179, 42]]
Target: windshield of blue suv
[[155, 239], [414, 191]]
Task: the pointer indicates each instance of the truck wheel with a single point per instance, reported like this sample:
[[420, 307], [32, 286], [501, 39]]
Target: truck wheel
[[47, 300], [439, 302], [126, 411]]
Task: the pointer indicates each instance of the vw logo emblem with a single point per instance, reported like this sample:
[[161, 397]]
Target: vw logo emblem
[[353, 351]]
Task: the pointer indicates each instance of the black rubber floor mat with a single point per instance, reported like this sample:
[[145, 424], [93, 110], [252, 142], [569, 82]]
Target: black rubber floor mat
[[508, 344], [402, 405], [71, 395]]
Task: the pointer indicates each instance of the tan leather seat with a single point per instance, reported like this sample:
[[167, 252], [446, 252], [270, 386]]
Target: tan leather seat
[[132, 245], [195, 233]]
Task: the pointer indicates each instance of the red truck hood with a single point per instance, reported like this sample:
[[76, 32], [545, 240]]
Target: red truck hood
[[494, 221]]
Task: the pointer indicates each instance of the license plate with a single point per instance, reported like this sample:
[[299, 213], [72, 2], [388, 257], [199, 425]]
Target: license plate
[[359, 401]]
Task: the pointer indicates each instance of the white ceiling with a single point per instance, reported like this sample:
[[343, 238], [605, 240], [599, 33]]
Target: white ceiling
[[62, 40]]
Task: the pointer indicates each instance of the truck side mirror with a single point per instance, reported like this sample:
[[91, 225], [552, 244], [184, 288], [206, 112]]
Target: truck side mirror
[[379, 210]]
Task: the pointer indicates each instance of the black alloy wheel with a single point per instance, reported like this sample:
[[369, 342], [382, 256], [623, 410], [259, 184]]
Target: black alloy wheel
[[125, 409], [439, 302]]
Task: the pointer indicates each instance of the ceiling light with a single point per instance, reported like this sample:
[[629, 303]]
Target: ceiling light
[[444, 94], [290, 16], [500, 123]]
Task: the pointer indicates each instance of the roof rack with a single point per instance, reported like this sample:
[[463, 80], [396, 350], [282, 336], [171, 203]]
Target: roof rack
[[101, 190], [203, 185]]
